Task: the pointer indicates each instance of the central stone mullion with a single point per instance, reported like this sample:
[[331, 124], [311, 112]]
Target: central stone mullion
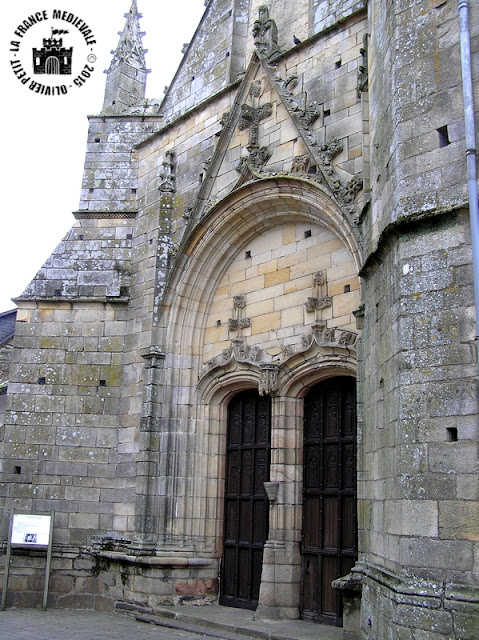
[[280, 583]]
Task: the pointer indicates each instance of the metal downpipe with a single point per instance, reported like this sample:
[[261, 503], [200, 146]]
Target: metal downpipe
[[466, 67]]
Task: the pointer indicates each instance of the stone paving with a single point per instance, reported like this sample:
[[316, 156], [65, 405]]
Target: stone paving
[[55, 624], [176, 623]]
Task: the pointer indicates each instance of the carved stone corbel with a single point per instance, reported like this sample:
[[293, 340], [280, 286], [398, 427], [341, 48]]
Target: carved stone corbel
[[268, 380], [271, 489]]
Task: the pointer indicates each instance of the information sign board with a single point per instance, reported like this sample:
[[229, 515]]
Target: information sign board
[[31, 529]]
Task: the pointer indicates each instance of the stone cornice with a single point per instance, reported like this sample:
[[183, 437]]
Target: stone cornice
[[104, 215]]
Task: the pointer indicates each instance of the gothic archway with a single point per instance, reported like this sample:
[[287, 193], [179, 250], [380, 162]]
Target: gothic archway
[[218, 348]]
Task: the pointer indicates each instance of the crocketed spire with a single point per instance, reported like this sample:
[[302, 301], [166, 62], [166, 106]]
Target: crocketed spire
[[126, 76], [130, 48]]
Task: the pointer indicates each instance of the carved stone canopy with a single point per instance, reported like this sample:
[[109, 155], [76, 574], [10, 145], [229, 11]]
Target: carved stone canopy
[[333, 345]]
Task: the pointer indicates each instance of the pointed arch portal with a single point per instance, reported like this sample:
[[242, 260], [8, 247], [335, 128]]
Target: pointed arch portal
[[243, 375]]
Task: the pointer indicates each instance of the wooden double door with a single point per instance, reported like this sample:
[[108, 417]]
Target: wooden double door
[[329, 537], [329, 534], [246, 505]]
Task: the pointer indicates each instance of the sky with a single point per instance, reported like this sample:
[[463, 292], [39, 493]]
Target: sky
[[45, 136]]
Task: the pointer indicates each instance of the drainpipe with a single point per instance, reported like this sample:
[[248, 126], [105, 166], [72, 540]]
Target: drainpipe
[[470, 150]]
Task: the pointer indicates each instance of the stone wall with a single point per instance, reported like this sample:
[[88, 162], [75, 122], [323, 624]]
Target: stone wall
[[417, 133], [61, 431], [418, 471]]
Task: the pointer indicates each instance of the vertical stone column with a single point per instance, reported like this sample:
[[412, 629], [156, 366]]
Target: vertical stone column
[[281, 577], [147, 466]]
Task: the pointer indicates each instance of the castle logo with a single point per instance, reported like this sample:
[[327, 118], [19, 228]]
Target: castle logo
[[52, 52], [53, 58]]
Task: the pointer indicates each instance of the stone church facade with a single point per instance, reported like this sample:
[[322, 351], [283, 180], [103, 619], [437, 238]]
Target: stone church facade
[[248, 372]]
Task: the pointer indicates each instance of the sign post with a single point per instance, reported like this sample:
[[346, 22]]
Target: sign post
[[29, 530]]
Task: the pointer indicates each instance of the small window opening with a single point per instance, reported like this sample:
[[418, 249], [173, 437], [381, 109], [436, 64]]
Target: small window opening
[[80, 237], [17, 470], [451, 434], [129, 236], [337, 64], [91, 190], [327, 112], [192, 78], [97, 139], [218, 323], [124, 291], [347, 288], [443, 134], [247, 254], [307, 233], [312, 169], [42, 380], [102, 383], [133, 190], [58, 292], [201, 177]]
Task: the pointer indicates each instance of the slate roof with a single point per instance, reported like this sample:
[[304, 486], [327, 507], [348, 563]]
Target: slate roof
[[7, 325]]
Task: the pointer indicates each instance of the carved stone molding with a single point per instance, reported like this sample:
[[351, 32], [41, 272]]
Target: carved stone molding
[[304, 117], [254, 162], [330, 347], [239, 352], [300, 165], [320, 299], [317, 304], [322, 336], [236, 324]]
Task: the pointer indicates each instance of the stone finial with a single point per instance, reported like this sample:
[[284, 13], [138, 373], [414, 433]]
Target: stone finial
[[265, 34]]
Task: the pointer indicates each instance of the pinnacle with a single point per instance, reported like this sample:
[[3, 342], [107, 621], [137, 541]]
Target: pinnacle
[[130, 49]]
